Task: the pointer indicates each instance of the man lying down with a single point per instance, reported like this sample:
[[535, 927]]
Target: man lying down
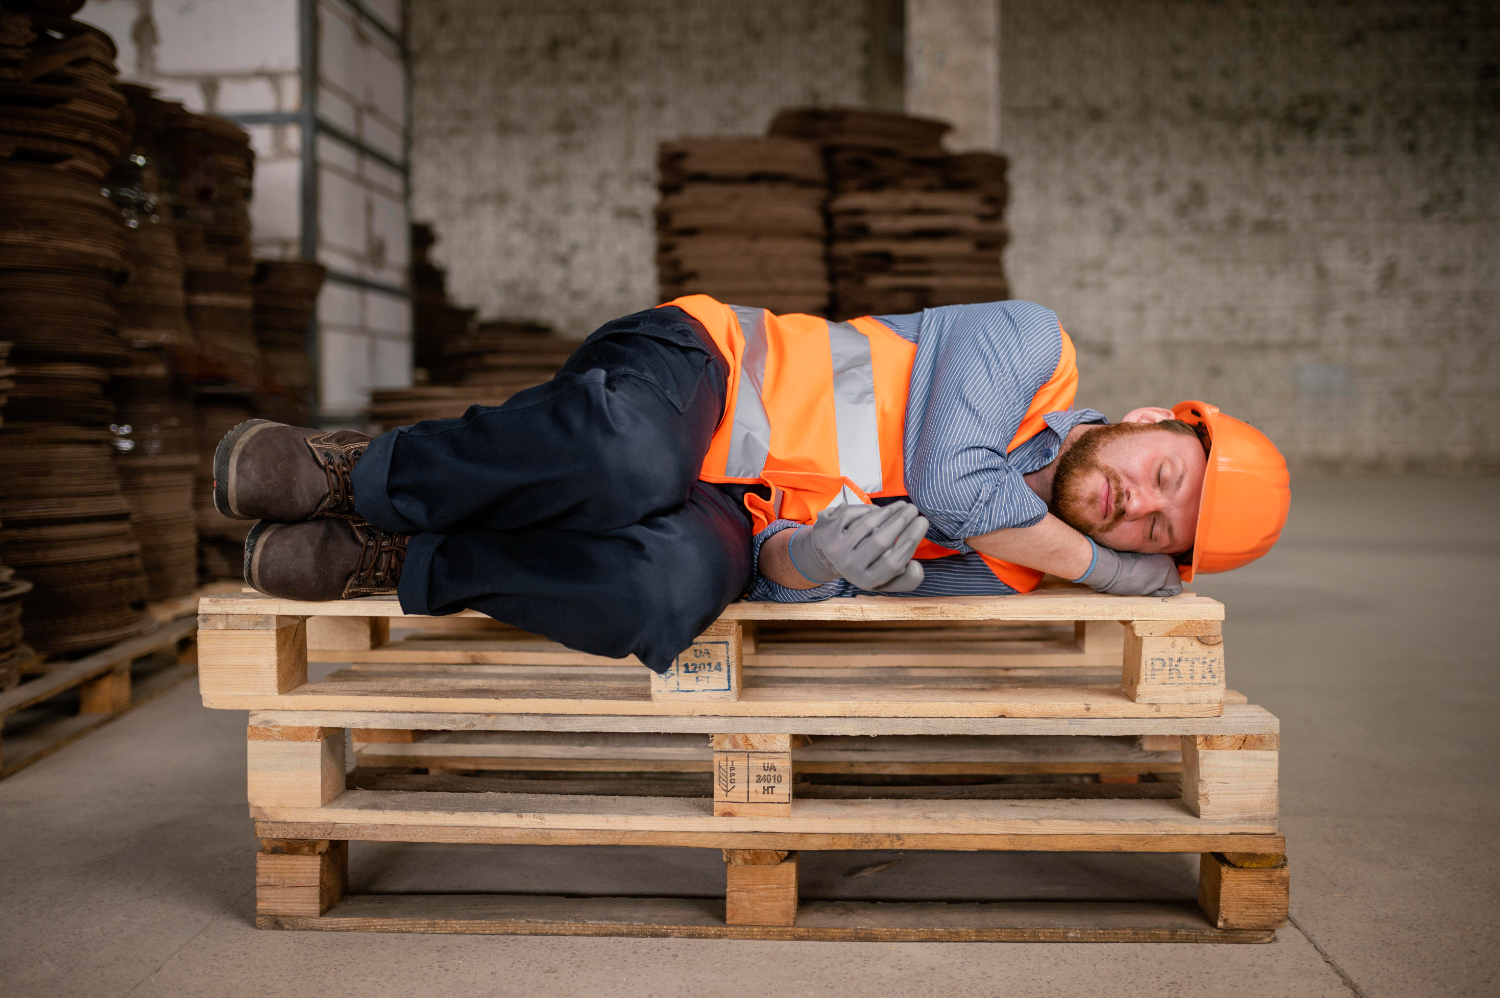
[[697, 453]]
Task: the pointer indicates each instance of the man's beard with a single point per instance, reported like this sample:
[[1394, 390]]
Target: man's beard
[[1070, 503]]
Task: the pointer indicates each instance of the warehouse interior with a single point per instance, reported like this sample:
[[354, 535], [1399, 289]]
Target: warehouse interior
[[367, 213]]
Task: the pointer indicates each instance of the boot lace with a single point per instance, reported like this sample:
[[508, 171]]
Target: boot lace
[[381, 558], [338, 464]]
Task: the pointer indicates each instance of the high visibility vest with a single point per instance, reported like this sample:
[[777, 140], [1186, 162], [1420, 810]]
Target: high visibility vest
[[816, 411]]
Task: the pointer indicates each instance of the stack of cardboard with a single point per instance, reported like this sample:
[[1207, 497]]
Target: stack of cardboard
[[507, 355], [742, 219], [153, 309], [64, 521], [154, 442], [65, 525], [59, 103], [286, 293], [482, 367], [214, 165], [435, 319], [909, 226], [12, 651], [154, 420], [211, 203], [460, 364]]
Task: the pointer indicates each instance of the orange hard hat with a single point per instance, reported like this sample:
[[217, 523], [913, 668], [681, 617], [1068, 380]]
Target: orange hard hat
[[1246, 492]]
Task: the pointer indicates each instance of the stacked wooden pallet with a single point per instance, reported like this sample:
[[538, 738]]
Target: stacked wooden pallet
[[741, 218], [77, 696], [910, 227], [788, 695]]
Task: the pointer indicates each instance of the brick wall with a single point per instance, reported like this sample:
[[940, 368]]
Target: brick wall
[[1288, 208], [536, 127]]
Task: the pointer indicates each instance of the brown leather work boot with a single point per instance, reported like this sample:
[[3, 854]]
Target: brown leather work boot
[[272, 471], [323, 559]]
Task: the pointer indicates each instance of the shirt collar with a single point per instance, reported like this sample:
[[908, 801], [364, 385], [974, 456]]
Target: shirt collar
[[1041, 450]]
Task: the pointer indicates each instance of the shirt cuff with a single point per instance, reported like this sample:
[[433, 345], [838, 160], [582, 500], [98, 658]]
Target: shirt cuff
[[765, 591]]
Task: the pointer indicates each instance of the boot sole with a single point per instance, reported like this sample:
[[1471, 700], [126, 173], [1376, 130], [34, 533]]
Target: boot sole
[[251, 540], [223, 459]]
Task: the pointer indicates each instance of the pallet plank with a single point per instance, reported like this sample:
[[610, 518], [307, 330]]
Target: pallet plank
[[1199, 842], [1238, 718], [619, 786], [888, 754], [703, 918], [489, 695], [688, 814], [1069, 604]]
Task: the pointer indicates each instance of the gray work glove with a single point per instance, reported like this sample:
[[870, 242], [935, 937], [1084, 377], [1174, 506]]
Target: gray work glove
[[871, 546], [1125, 573]]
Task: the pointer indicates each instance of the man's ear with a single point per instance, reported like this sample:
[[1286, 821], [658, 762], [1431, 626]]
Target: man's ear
[[1148, 414]]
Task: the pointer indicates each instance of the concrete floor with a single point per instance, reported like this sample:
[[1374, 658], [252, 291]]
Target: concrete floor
[[125, 860]]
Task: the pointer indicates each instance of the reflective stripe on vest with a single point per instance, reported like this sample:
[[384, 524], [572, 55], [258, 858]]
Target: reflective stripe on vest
[[854, 413], [750, 436], [855, 418]]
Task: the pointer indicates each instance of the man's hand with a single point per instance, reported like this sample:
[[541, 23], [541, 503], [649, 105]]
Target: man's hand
[[1123, 573], [871, 546]]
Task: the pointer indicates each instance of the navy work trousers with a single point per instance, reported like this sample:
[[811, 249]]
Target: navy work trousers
[[574, 510]]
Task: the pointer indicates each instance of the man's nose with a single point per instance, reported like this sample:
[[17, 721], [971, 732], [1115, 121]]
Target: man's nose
[[1140, 503]]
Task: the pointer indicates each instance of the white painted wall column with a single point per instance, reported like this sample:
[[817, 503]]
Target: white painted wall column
[[953, 68]]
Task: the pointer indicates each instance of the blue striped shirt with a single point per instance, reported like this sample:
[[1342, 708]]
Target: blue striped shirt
[[976, 371]]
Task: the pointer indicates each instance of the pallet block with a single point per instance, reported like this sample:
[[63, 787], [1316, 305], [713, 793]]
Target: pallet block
[[300, 877], [252, 654], [1171, 662], [1244, 890], [760, 887], [331, 635], [1229, 777], [106, 694], [294, 766], [752, 776], [708, 670]]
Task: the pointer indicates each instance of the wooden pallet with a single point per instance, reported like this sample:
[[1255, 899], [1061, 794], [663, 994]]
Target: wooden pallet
[[109, 682], [630, 764], [1169, 659]]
